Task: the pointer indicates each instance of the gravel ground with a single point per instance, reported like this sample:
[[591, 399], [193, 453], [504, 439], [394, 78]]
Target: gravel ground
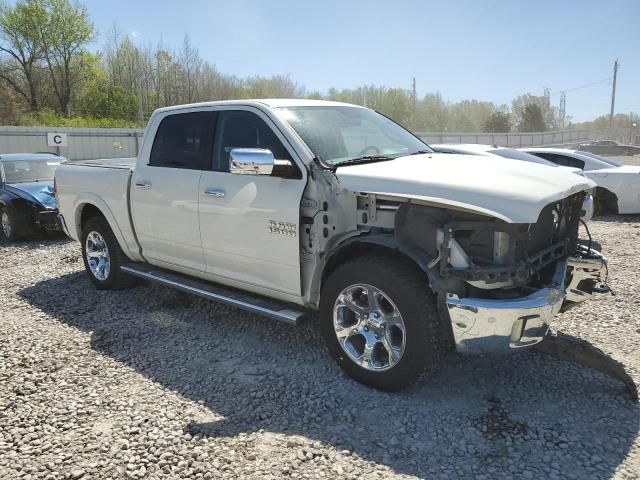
[[152, 383]]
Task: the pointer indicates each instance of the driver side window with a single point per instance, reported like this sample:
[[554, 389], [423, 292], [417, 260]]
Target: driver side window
[[242, 129]]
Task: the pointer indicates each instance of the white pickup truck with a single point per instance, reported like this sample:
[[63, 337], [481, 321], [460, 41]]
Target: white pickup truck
[[282, 207]]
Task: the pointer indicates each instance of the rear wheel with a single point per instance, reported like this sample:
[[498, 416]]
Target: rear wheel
[[103, 256], [380, 321]]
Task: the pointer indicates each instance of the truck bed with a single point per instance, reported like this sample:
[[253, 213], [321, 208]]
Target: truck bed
[[104, 184]]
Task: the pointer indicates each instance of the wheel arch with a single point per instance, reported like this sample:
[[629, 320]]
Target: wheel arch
[[369, 244], [606, 201], [92, 207]]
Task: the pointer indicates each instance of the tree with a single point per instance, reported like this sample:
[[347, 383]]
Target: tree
[[497, 122], [191, 64], [432, 114], [62, 36], [549, 113], [12, 107], [532, 120], [101, 99], [22, 48]]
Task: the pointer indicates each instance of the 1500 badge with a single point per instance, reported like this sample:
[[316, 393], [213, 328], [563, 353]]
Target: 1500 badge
[[282, 228]]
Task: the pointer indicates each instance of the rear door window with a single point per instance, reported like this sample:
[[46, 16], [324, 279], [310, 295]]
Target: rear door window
[[183, 140], [562, 160]]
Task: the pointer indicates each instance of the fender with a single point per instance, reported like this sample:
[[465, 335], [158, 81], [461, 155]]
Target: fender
[[92, 199], [366, 242]]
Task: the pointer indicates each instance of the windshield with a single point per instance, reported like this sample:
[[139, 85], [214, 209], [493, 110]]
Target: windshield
[[613, 163], [22, 171], [339, 135], [518, 155]]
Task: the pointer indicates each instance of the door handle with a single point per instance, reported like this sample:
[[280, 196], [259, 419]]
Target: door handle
[[215, 192], [145, 185]]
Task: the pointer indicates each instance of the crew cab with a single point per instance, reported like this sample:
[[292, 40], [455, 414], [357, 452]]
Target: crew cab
[[285, 207]]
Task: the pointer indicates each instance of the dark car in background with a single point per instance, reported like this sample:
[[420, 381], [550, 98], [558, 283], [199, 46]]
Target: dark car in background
[[609, 147], [27, 199]]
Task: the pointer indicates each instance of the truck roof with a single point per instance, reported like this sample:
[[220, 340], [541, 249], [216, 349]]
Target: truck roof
[[269, 102]]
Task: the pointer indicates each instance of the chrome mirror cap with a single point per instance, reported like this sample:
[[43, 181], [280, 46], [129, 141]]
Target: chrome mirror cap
[[251, 161]]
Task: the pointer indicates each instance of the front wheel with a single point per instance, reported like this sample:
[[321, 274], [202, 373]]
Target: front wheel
[[103, 256], [6, 223], [380, 322]]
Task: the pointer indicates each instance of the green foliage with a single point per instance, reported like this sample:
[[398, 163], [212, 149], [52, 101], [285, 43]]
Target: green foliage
[[549, 114], [497, 122], [20, 42], [50, 118], [44, 42], [532, 119], [102, 100]]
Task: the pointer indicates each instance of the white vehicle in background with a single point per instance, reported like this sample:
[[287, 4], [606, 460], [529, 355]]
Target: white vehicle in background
[[618, 188], [510, 153]]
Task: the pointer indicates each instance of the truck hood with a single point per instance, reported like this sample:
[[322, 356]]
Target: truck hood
[[515, 192]]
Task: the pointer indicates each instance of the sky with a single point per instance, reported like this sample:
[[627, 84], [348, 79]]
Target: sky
[[489, 50]]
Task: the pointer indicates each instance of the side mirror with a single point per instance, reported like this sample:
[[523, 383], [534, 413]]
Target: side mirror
[[251, 161]]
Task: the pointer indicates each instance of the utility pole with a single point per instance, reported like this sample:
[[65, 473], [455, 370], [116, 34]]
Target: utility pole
[[413, 95], [613, 92], [140, 106]]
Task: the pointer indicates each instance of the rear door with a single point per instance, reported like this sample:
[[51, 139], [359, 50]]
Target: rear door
[[164, 194], [250, 223]]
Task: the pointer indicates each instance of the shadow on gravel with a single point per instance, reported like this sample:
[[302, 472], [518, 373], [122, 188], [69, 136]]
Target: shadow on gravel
[[471, 416], [633, 218], [35, 241]]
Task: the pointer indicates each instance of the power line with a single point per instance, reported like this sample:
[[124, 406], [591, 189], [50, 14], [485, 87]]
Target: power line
[[589, 84]]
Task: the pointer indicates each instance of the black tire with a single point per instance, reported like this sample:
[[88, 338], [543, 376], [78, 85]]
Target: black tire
[[13, 236], [605, 203], [408, 288], [115, 280]]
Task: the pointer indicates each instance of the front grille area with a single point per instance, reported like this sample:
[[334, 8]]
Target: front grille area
[[558, 222], [534, 247]]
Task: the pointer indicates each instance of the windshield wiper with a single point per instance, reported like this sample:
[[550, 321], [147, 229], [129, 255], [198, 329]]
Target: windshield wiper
[[366, 159], [420, 152]]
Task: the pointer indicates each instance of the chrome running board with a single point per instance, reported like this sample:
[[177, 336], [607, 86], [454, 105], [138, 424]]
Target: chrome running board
[[268, 308]]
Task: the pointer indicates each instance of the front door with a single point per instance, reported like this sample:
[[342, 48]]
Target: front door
[[250, 224], [164, 198]]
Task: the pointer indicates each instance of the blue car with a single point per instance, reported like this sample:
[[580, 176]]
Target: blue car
[[27, 200]]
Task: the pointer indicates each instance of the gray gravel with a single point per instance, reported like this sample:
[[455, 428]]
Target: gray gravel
[[152, 383]]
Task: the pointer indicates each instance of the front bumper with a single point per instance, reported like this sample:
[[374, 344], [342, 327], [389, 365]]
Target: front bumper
[[481, 325], [48, 220]]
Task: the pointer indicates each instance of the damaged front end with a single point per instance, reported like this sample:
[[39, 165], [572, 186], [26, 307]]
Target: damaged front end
[[501, 283]]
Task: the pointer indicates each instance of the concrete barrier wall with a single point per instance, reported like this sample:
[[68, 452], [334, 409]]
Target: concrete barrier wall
[[514, 140], [82, 143]]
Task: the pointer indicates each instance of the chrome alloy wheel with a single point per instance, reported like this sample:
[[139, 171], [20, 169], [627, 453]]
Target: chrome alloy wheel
[[6, 225], [369, 327], [98, 256]]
